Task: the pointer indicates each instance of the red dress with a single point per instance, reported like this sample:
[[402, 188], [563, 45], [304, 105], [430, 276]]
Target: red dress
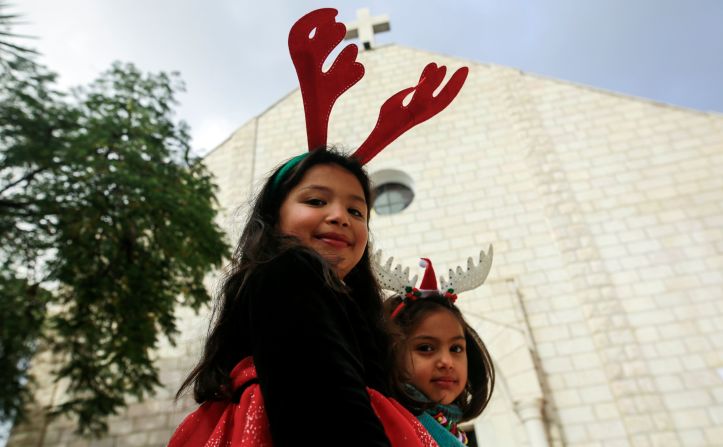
[[244, 424]]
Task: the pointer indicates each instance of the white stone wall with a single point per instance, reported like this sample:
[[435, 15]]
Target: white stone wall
[[606, 216]]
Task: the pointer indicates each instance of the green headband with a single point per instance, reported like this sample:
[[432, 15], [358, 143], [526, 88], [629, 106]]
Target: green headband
[[288, 166]]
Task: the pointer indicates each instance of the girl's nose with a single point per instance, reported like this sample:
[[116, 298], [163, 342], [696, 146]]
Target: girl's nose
[[444, 361], [338, 215]]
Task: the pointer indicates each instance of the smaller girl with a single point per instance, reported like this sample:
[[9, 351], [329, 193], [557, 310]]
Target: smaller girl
[[443, 373]]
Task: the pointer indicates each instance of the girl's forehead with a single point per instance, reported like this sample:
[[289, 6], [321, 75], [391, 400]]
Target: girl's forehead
[[439, 320], [331, 177], [329, 170]]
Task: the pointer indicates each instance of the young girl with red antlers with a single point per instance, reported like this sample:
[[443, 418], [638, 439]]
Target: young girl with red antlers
[[444, 373], [297, 353]]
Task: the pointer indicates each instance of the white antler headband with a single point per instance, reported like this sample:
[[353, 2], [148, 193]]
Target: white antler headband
[[475, 276], [397, 280], [394, 280]]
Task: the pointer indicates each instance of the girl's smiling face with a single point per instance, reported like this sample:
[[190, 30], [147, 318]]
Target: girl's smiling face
[[327, 212], [437, 357]]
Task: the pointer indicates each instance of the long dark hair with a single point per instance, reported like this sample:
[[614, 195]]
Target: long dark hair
[[260, 243], [480, 371]]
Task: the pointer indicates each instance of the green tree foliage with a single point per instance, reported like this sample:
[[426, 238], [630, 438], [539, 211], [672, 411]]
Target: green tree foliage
[[106, 225], [9, 48]]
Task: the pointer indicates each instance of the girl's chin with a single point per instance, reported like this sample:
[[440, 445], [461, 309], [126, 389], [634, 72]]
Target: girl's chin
[[446, 398], [335, 261]]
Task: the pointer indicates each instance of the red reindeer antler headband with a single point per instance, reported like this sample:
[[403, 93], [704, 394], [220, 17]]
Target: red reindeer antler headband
[[311, 41]]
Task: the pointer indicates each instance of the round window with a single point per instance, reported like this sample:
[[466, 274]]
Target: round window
[[391, 198]]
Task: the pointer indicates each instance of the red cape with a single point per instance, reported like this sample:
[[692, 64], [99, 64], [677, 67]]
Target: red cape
[[244, 424]]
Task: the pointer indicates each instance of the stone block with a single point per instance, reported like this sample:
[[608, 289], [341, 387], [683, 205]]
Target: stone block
[[132, 440], [684, 400]]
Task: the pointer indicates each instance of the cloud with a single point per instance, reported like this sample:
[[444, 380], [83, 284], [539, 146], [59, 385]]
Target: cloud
[[212, 130]]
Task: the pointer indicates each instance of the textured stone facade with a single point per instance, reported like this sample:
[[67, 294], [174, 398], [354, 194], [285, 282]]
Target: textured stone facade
[[604, 307]]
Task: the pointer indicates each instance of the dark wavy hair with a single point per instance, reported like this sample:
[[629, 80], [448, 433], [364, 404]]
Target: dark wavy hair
[[480, 371], [260, 243]]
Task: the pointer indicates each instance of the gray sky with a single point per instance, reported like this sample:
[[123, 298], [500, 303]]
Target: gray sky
[[233, 55]]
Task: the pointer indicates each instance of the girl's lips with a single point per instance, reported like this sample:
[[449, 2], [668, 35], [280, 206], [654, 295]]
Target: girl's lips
[[445, 383], [334, 239], [334, 242]]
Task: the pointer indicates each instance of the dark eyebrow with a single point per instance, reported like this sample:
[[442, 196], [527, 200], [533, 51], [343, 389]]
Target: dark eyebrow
[[328, 190], [429, 337], [424, 337]]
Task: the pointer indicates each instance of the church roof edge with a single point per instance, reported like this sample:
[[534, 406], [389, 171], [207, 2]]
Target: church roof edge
[[601, 90]]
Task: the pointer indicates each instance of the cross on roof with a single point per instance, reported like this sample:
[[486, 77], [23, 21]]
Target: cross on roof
[[365, 26]]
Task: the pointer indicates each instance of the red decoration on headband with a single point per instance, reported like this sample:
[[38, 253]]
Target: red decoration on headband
[[320, 89], [427, 287], [429, 282]]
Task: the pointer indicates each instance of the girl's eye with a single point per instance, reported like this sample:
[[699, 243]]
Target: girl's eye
[[457, 349], [355, 212], [424, 348], [315, 202]]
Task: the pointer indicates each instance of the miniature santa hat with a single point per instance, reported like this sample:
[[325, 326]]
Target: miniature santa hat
[[429, 280]]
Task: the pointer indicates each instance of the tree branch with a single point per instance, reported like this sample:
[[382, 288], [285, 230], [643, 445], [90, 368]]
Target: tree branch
[[11, 204], [27, 177]]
